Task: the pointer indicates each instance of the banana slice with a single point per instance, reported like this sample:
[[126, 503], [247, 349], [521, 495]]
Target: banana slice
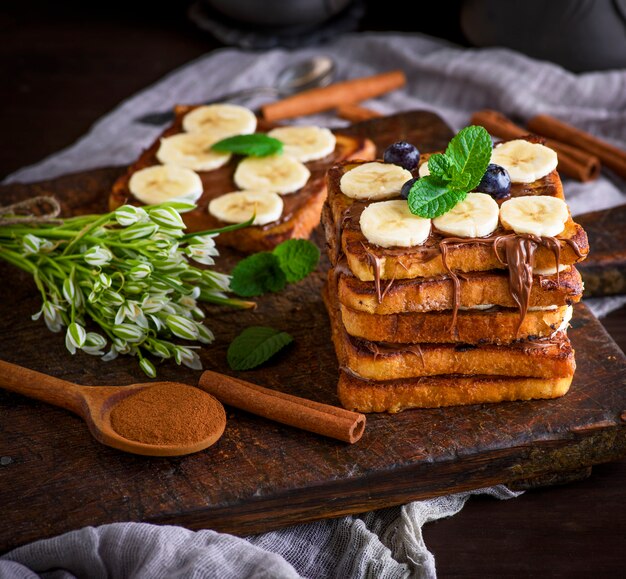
[[475, 216], [278, 173], [374, 181], [423, 171], [305, 143], [551, 270], [526, 162], [239, 206], [217, 122], [391, 224], [535, 214], [191, 150], [161, 183]]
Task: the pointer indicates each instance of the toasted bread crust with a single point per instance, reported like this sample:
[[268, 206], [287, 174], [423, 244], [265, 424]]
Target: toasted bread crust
[[374, 361], [302, 208], [436, 294], [439, 391], [472, 327]]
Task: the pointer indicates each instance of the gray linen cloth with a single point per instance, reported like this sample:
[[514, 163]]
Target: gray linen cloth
[[441, 77]]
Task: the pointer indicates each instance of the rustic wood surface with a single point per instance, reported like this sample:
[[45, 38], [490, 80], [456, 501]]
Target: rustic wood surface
[[262, 475]]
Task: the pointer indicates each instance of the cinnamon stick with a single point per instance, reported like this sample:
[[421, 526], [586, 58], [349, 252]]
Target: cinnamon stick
[[356, 113], [611, 156], [573, 161], [306, 414], [322, 99]]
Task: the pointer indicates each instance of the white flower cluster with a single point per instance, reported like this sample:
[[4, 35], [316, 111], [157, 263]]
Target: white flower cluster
[[132, 273]]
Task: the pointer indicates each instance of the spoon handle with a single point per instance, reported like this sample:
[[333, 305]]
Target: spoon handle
[[41, 386]]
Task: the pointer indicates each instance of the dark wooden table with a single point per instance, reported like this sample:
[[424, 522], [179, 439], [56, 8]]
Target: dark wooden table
[[66, 64]]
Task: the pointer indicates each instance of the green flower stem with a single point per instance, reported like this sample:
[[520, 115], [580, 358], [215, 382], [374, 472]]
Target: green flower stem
[[87, 229], [233, 227], [206, 296], [16, 259]]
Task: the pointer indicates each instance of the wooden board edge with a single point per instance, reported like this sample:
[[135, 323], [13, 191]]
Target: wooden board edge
[[514, 466]]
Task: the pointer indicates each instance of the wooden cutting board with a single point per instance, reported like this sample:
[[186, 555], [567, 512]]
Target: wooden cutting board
[[54, 477], [604, 271]]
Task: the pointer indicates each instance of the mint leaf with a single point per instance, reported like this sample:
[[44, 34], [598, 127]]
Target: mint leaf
[[439, 166], [255, 145], [258, 274], [431, 197], [469, 152], [297, 258], [255, 345]]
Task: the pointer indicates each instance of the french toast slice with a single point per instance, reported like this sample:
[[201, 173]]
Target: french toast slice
[[302, 209], [493, 326], [344, 236], [439, 391], [543, 358], [437, 293]]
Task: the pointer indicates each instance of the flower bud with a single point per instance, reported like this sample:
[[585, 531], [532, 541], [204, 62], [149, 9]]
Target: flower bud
[[94, 344], [129, 332], [138, 231], [182, 327], [147, 367], [129, 215], [187, 357], [98, 256], [75, 337], [167, 217], [141, 271]]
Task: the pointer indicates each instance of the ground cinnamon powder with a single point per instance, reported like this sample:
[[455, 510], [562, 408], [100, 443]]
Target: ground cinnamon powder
[[168, 414]]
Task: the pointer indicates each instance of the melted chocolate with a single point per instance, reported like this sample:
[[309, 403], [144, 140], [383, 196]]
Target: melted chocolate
[[516, 251]]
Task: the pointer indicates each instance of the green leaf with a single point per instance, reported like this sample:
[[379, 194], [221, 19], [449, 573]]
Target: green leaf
[[470, 152], [258, 274], [431, 197], [255, 145], [254, 346], [297, 258], [439, 166]]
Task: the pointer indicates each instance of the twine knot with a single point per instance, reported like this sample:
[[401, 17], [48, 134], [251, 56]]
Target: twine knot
[[40, 209]]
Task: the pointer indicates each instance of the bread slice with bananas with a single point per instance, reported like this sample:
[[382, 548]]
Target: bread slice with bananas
[[293, 182], [358, 226]]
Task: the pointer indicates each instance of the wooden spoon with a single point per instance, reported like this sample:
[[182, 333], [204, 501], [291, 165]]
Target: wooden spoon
[[95, 404]]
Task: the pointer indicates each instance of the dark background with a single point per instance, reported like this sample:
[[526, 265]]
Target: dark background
[[65, 64]]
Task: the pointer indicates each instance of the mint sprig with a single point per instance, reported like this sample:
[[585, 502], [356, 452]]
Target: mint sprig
[[258, 274], [452, 174], [254, 145], [297, 258], [255, 345], [263, 272]]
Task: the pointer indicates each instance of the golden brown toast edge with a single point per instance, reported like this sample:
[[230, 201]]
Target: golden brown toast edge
[[472, 327], [422, 295], [440, 391]]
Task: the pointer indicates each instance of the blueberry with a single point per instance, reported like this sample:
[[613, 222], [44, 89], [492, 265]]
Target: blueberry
[[406, 188], [495, 182], [403, 154]]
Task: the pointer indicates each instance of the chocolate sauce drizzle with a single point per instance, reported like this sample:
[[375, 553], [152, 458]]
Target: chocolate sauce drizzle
[[516, 251]]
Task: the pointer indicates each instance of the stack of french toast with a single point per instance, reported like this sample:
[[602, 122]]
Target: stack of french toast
[[469, 307]]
